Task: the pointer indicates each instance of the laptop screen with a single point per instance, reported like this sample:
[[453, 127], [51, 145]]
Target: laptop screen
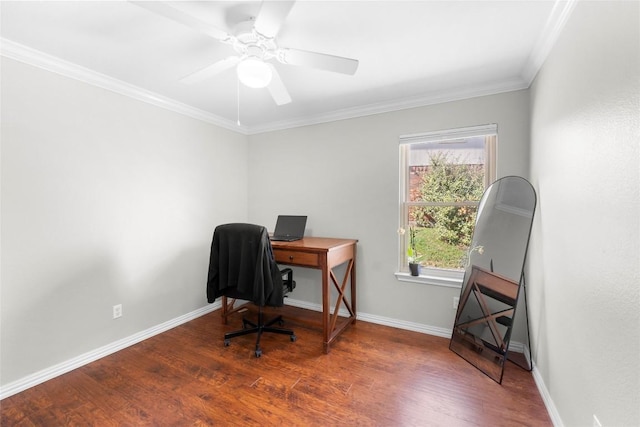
[[290, 226]]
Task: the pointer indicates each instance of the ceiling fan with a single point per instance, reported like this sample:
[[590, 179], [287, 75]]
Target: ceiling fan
[[255, 44]]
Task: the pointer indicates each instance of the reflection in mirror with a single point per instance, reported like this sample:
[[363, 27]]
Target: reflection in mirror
[[494, 275]]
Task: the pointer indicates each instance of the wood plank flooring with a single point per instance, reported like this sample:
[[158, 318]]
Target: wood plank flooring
[[373, 376]]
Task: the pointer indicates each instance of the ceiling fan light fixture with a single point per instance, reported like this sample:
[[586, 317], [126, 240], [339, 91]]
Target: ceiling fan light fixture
[[254, 73]]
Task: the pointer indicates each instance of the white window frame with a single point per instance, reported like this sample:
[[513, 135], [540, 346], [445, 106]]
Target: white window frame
[[438, 276]]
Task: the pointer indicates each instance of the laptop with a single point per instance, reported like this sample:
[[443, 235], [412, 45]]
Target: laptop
[[289, 228]]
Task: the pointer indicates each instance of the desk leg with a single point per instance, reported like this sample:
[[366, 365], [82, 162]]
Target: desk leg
[[353, 285], [228, 308], [326, 308], [225, 310], [330, 327]]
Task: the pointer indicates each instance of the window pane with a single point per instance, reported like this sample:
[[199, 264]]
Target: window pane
[[444, 182], [447, 172], [443, 239]]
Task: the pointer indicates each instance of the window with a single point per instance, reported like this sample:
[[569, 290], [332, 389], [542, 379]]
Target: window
[[442, 178]]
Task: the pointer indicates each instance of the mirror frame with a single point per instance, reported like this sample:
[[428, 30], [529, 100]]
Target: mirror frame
[[493, 299]]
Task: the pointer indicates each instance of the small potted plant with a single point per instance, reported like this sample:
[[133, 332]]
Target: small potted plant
[[412, 253]]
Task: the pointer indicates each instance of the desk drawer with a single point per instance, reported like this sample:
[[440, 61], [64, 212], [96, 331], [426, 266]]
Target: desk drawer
[[296, 258]]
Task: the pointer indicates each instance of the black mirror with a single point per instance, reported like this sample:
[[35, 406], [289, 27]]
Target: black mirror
[[494, 276]]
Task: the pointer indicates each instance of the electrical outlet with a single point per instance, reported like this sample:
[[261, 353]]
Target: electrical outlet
[[596, 421], [456, 300], [117, 311]]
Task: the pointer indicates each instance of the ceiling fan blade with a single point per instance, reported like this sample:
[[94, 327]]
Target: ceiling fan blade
[[277, 88], [211, 70], [271, 17], [177, 15], [322, 61]]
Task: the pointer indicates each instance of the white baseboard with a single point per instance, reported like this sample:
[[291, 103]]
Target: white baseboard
[[395, 323], [64, 367], [546, 398]]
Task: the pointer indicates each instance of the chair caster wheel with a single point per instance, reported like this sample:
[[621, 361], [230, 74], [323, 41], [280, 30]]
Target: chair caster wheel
[[226, 343], [293, 338], [258, 353]]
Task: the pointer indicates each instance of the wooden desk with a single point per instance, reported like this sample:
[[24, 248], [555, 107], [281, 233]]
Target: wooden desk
[[325, 254]]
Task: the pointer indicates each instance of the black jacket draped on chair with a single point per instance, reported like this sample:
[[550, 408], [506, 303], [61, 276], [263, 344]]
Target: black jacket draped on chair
[[244, 268]]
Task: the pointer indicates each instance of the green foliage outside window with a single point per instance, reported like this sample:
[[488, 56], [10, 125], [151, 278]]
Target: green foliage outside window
[[446, 230], [435, 252]]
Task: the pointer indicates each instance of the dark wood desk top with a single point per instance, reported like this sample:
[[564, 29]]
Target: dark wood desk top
[[314, 244]]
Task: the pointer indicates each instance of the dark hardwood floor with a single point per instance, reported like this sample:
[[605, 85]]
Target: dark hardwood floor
[[373, 376]]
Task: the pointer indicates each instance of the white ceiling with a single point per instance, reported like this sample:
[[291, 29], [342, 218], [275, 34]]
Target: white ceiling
[[411, 53]]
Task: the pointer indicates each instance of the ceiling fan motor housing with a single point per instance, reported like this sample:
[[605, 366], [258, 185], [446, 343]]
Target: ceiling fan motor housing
[[250, 43]]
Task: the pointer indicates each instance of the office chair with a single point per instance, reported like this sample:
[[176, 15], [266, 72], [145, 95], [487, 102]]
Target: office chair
[[242, 266]]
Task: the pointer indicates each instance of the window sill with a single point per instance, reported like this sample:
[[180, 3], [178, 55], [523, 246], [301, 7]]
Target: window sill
[[448, 279]]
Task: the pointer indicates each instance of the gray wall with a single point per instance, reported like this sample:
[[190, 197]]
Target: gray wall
[[105, 200], [344, 176], [108, 200], [584, 265]]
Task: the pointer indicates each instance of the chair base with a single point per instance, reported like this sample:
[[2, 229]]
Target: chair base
[[258, 328]]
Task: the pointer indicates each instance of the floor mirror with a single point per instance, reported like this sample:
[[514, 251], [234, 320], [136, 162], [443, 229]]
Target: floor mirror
[[494, 288]]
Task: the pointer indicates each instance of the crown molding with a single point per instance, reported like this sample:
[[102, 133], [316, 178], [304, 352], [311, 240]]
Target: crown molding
[[36, 58], [560, 13], [433, 98]]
